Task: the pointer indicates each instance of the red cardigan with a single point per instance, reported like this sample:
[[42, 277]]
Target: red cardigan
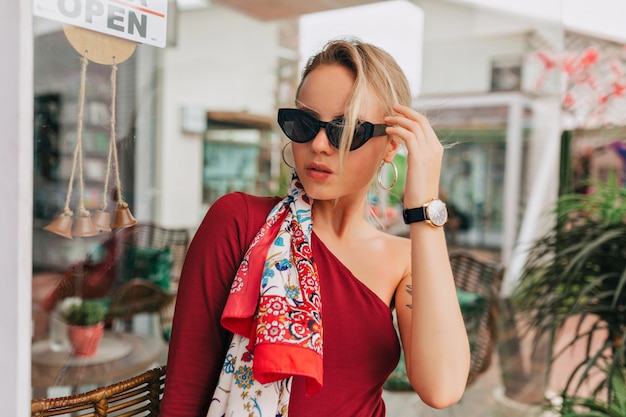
[[361, 347]]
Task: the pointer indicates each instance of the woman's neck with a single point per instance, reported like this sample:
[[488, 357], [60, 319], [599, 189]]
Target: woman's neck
[[339, 218]]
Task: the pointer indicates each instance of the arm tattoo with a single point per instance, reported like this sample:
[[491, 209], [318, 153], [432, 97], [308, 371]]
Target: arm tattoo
[[409, 290]]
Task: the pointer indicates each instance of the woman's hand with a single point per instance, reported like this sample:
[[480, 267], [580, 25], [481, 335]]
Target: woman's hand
[[424, 158]]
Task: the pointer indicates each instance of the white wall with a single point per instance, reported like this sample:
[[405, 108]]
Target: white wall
[[223, 61], [16, 165], [469, 71], [461, 41]]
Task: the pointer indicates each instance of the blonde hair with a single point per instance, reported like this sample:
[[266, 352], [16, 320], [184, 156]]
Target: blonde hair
[[373, 69]]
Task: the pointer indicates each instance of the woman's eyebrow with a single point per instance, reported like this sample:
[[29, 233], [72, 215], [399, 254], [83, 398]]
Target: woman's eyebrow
[[310, 111], [302, 106], [314, 113]]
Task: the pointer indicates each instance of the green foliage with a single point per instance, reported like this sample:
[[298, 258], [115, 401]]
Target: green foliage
[[86, 313], [594, 407], [578, 269]]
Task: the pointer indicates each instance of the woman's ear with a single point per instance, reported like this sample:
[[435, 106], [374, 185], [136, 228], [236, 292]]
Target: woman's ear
[[392, 148]]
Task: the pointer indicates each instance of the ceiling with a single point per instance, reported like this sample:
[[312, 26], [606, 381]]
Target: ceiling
[[283, 9]]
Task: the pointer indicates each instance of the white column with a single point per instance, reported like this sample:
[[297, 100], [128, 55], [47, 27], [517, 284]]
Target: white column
[[512, 177], [16, 166], [543, 190]]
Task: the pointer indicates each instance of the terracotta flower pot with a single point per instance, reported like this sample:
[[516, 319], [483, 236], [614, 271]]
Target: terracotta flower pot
[[85, 339]]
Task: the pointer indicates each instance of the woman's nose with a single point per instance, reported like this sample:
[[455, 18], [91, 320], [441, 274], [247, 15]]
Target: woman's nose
[[320, 142]]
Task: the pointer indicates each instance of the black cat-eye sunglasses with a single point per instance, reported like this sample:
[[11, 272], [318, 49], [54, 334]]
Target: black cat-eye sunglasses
[[301, 127]]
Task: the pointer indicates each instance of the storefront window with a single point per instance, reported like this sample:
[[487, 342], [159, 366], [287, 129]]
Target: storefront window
[[84, 147]]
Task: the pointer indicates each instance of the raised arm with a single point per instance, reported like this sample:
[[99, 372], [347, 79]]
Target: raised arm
[[431, 326]]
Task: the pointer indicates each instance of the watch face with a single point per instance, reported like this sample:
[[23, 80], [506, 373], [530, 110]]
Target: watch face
[[437, 213]]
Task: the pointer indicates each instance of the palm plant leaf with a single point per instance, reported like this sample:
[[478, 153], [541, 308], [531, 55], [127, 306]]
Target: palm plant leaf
[[578, 268], [574, 406], [619, 290]]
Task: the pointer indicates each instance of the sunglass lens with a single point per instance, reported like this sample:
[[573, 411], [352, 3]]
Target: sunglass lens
[[359, 138], [298, 125], [334, 130]]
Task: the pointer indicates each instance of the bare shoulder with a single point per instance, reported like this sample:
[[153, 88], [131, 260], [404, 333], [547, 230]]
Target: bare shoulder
[[401, 244], [398, 250]]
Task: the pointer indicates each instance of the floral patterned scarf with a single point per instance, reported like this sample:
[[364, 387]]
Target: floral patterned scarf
[[274, 311]]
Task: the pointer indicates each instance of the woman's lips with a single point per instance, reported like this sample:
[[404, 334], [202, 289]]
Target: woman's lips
[[318, 171]]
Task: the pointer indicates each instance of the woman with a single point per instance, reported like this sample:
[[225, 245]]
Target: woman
[[285, 305]]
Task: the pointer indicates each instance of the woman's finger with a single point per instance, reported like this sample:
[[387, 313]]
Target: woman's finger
[[418, 118]]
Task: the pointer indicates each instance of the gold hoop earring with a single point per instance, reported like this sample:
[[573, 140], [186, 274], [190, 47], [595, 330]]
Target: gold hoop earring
[[380, 172], [282, 154]]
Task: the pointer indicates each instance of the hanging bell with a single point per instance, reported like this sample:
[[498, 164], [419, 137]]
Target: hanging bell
[[83, 227], [123, 218], [62, 226], [102, 220]]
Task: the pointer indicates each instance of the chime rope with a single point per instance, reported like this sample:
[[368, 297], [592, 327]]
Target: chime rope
[[113, 146], [78, 149]]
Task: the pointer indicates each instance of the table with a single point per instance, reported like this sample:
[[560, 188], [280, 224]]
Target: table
[[120, 356]]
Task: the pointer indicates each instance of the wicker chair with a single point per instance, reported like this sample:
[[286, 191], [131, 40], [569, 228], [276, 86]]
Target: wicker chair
[[155, 293], [137, 396], [140, 296], [484, 278], [149, 235]]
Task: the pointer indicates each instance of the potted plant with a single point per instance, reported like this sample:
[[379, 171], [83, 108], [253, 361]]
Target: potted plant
[[85, 320], [577, 271]]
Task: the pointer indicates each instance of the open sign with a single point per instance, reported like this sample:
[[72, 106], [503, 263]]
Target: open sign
[[143, 21]]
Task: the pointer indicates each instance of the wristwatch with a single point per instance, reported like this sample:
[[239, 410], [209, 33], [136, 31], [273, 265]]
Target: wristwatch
[[434, 213]]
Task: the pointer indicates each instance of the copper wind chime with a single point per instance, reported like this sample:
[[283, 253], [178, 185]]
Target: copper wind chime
[[102, 49]]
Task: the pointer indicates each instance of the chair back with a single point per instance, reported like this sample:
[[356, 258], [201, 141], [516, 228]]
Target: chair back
[[151, 239], [483, 278], [140, 395], [138, 296], [150, 235]]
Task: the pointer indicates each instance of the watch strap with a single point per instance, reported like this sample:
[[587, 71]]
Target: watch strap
[[414, 215]]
